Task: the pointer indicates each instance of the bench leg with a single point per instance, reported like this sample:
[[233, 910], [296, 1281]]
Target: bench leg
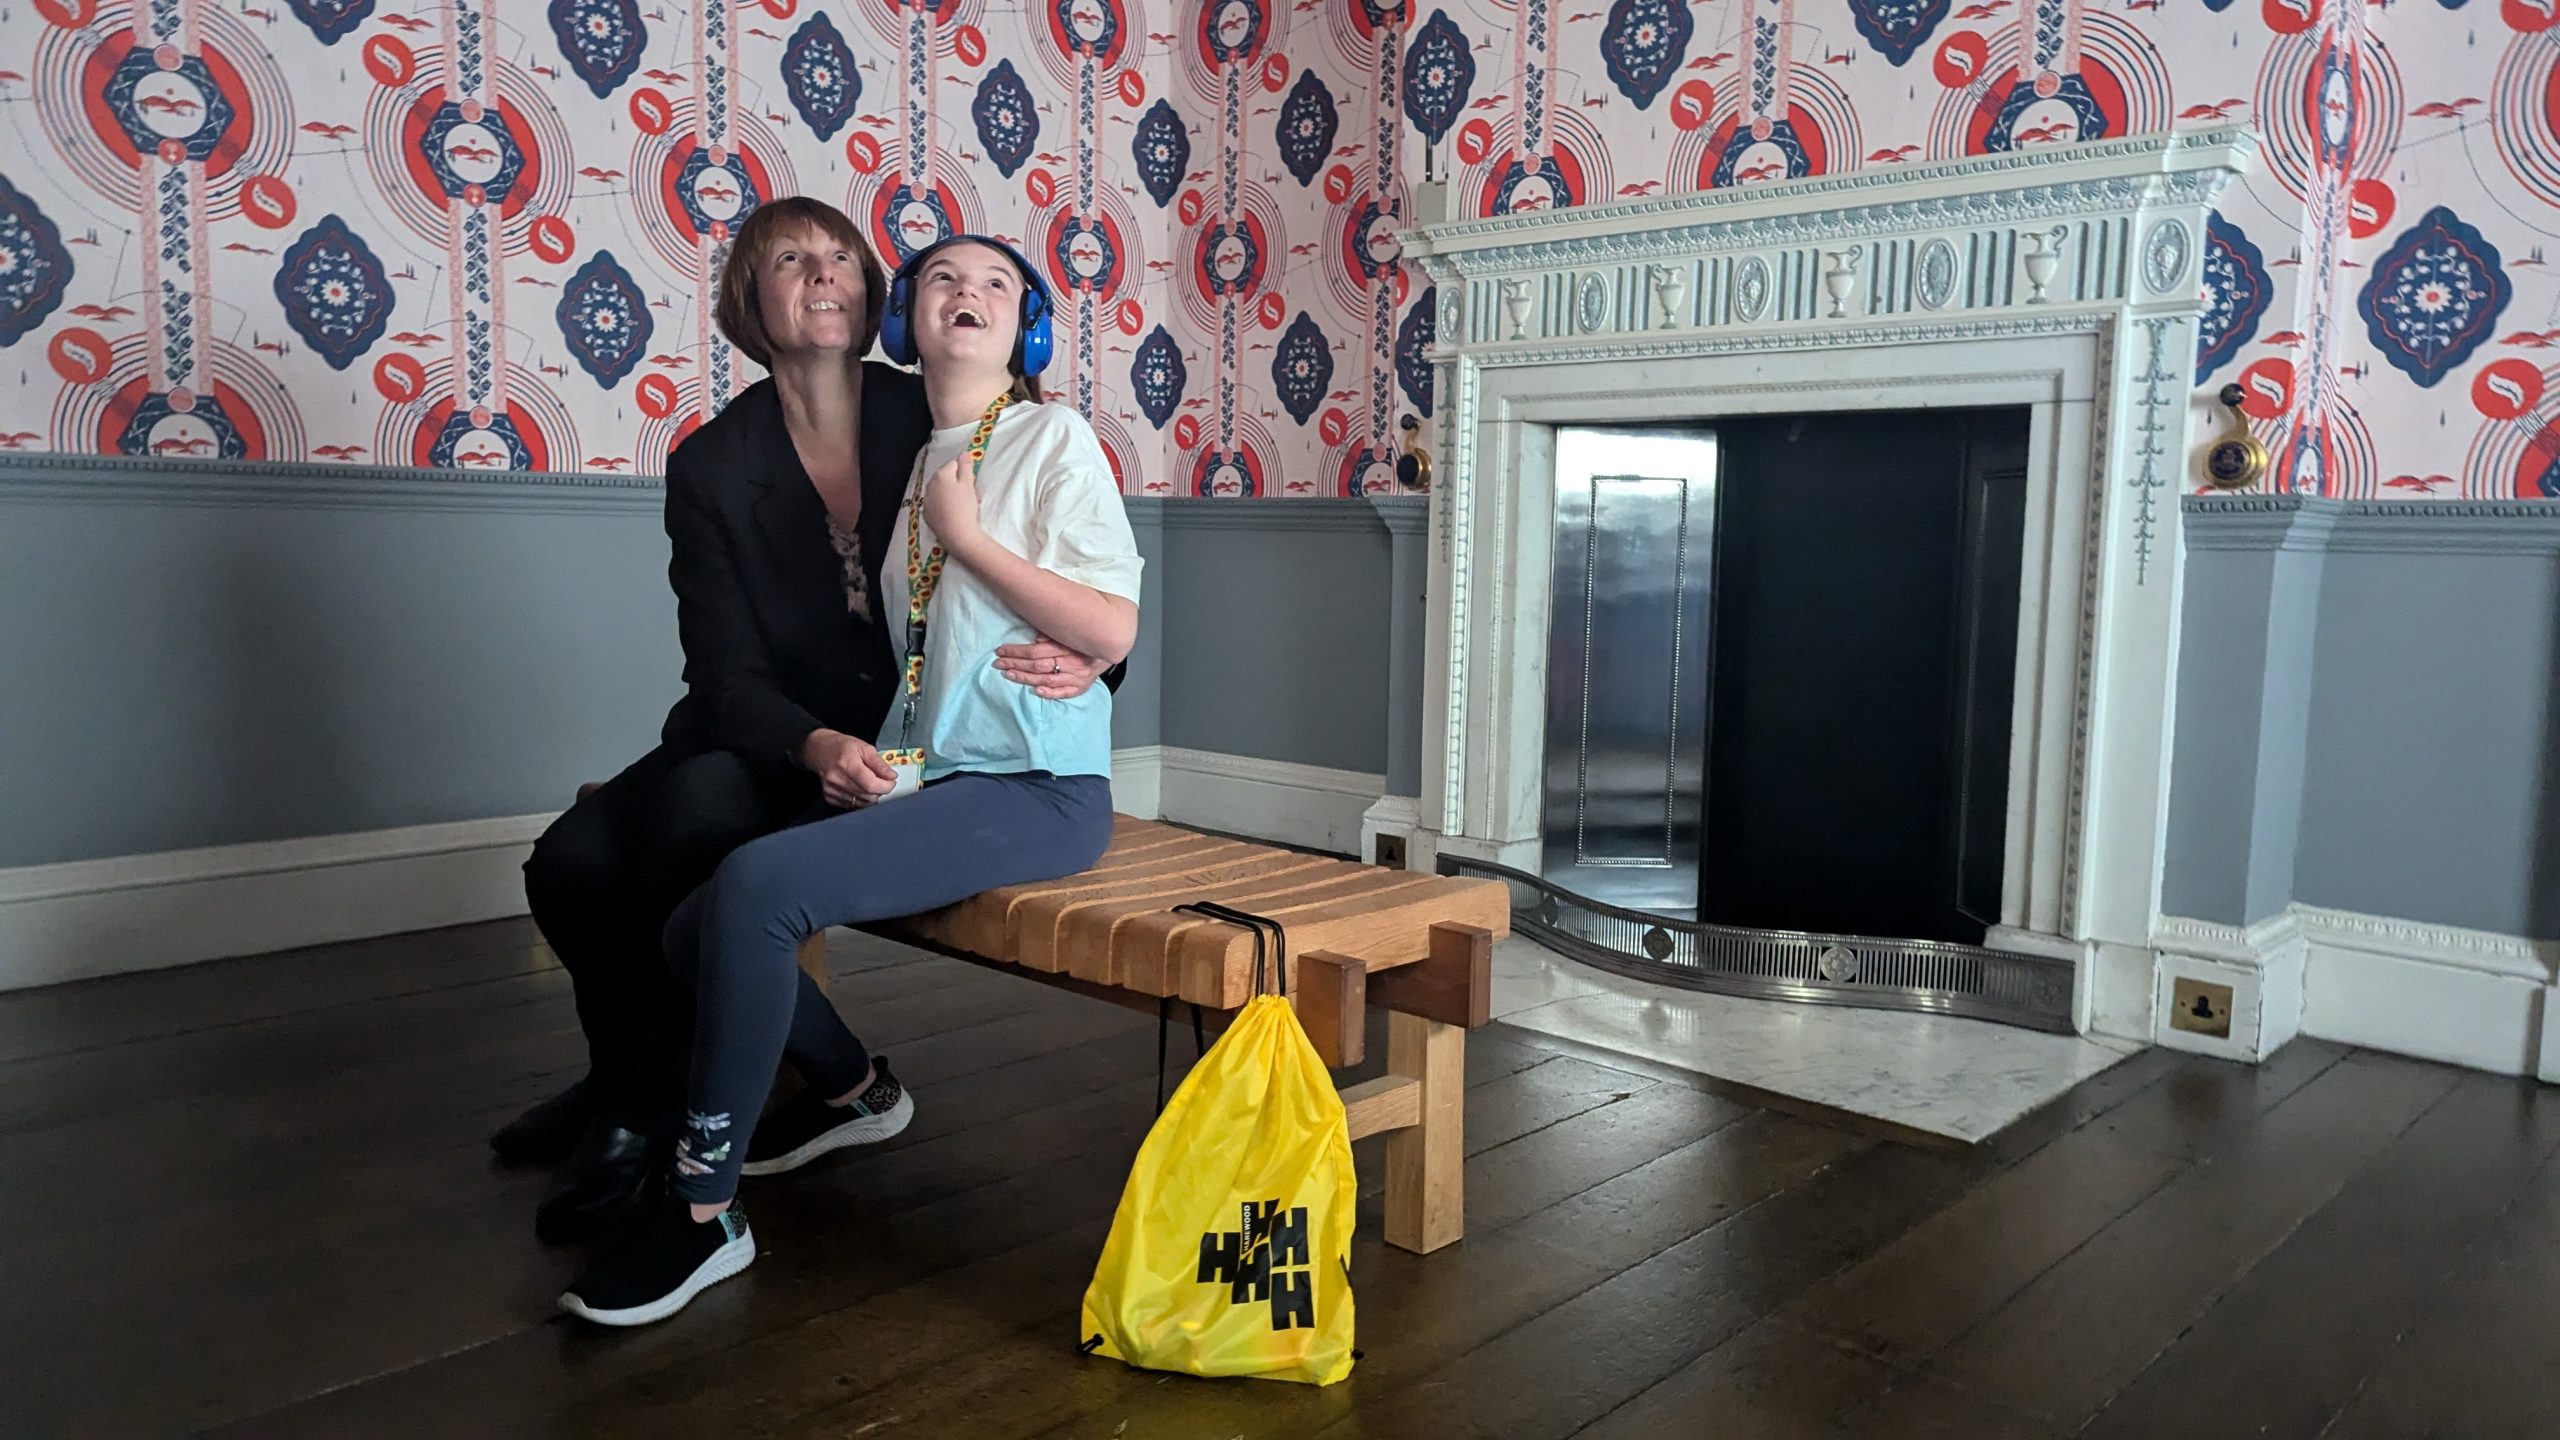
[[1426, 1161]]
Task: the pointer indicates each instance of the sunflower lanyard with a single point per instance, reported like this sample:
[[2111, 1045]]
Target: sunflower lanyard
[[924, 576]]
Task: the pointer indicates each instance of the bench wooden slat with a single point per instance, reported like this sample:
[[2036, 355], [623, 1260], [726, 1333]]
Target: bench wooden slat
[[1073, 933], [1208, 951], [978, 923], [993, 922], [1384, 928], [1146, 951]]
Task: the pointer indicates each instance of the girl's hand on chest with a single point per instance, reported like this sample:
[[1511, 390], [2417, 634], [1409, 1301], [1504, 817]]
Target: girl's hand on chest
[[951, 504]]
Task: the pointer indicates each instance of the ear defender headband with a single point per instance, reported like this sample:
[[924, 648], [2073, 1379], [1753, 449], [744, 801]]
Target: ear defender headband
[[1030, 349]]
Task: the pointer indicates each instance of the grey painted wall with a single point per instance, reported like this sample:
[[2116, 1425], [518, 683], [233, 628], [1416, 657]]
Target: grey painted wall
[[209, 664], [2365, 713], [1408, 519], [206, 656], [1137, 707], [1277, 631]]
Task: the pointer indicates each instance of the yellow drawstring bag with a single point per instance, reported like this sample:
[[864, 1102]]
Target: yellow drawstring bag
[[1230, 1253]]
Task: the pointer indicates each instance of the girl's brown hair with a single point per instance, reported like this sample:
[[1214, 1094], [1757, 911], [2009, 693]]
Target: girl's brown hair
[[739, 310]]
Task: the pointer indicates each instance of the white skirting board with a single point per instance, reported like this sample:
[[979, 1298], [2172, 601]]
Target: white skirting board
[[1137, 781], [88, 918], [2438, 992], [1309, 805]]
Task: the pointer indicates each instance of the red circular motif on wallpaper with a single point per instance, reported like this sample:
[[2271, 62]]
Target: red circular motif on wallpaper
[[267, 202], [389, 60], [2370, 206], [79, 355], [2529, 17], [2266, 389], [653, 112], [2290, 17], [2506, 389], [1960, 60], [399, 378]]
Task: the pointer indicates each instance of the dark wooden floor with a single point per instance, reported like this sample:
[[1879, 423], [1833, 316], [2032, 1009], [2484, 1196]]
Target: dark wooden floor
[[252, 1198]]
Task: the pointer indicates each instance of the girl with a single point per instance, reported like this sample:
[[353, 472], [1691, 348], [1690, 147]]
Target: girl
[[1013, 528]]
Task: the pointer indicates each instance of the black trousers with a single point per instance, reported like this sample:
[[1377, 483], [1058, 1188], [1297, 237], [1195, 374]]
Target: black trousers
[[603, 880]]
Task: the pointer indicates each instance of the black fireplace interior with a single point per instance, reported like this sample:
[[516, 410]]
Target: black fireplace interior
[[1781, 666]]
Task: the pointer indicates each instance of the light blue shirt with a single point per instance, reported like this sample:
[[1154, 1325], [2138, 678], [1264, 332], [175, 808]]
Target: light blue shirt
[[1045, 492]]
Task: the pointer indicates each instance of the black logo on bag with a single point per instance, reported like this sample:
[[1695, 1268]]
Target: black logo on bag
[[1265, 1259]]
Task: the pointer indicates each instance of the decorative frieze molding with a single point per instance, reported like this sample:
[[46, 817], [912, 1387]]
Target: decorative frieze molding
[[1277, 513], [2014, 188], [2058, 228], [2392, 527]]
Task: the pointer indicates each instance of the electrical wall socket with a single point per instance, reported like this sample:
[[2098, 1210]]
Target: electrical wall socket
[[2200, 1007], [1391, 851]]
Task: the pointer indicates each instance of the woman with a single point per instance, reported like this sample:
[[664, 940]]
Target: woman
[[779, 512], [1014, 527]]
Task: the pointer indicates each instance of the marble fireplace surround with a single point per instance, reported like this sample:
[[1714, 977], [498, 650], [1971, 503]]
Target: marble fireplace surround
[[2067, 281]]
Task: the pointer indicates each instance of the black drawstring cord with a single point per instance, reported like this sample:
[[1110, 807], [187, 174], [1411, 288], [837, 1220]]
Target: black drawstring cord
[[1278, 937]]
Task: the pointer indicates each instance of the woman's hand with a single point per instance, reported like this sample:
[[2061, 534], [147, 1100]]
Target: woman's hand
[[1053, 671], [951, 506], [850, 773]]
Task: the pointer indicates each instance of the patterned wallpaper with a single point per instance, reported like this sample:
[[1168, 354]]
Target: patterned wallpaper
[[475, 234]]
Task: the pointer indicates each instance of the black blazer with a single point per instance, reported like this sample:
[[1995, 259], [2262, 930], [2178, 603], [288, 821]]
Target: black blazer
[[770, 652]]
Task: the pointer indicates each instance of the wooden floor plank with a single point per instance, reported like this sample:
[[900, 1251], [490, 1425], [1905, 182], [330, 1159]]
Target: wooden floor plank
[[1772, 1382], [1777, 1382], [2069, 1341], [1908, 1301], [255, 1196], [2202, 1106], [2326, 1308], [2476, 1363], [1716, 1282]]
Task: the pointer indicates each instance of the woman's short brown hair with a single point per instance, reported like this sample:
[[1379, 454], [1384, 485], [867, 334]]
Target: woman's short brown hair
[[740, 311]]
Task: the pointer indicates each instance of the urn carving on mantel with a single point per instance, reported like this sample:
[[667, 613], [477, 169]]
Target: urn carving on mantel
[[1670, 288]]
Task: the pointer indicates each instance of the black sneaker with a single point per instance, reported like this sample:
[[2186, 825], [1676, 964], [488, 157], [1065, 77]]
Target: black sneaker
[[658, 1269], [805, 1126]]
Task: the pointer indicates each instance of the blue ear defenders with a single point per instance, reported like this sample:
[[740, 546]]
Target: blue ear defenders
[[1031, 349]]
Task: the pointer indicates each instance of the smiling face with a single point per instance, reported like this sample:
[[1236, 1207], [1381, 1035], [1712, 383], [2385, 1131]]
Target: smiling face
[[968, 308], [809, 294]]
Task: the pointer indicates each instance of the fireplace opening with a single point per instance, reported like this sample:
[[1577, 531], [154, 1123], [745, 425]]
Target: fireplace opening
[[1780, 669]]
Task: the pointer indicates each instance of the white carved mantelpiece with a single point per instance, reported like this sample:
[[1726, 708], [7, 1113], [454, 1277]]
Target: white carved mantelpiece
[[2065, 281]]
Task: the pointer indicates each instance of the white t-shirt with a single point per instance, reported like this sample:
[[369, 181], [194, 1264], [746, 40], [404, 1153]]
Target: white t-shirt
[[1045, 493]]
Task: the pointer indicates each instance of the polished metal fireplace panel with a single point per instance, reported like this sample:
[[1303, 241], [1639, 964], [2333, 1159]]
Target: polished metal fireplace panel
[[1929, 976], [1627, 665]]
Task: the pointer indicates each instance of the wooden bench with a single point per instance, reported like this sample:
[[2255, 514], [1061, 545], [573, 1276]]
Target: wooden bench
[[1419, 946]]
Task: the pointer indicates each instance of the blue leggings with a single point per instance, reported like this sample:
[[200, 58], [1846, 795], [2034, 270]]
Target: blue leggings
[[733, 943]]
